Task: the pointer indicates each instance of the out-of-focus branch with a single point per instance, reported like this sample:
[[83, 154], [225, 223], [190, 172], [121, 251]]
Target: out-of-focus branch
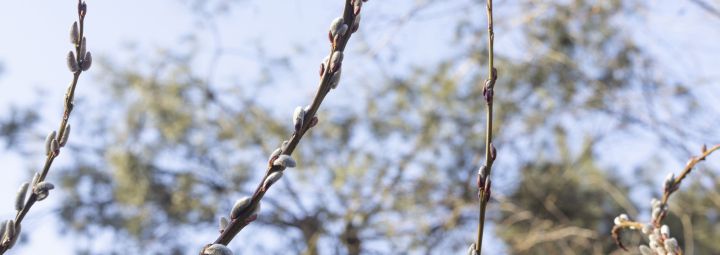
[[490, 151]]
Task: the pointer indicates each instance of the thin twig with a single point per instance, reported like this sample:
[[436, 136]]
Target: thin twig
[[490, 153], [237, 224], [66, 116]]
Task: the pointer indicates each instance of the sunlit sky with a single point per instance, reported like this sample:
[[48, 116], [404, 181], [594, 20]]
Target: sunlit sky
[[35, 41]]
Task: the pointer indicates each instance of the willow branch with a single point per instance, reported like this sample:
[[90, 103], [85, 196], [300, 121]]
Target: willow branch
[[237, 224], [490, 152], [82, 11]]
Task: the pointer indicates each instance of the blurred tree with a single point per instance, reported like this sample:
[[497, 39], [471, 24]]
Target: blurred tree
[[393, 170]]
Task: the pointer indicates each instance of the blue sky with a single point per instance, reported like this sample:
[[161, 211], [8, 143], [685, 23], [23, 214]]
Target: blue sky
[[35, 42]]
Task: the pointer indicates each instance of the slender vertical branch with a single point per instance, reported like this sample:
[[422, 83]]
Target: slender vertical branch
[[490, 151]]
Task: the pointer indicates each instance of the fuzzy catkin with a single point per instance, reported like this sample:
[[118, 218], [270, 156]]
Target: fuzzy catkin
[[286, 161], [218, 249], [223, 223], [335, 80], [48, 142], [87, 62], [65, 136], [72, 62], [20, 197], [74, 33], [240, 205]]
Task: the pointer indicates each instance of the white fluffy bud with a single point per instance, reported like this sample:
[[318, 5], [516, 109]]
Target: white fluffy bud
[[335, 80], [286, 161], [240, 205], [223, 223], [217, 249], [48, 143], [20, 197], [65, 136]]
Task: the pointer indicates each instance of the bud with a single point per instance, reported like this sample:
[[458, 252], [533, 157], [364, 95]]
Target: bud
[[276, 153], [3, 225], [256, 211], [284, 145], [239, 206], [489, 95], [15, 237], [20, 197], [74, 33], [83, 47], [671, 245], [480, 181], [270, 180], [48, 143], [42, 187], [35, 179], [356, 24], [72, 62], [67, 93], [82, 8], [335, 80], [472, 250], [646, 250], [55, 147], [494, 73], [357, 5], [313, 121], [223, 223], [65, 136], [617, 221], [9, 230], [624, 217], [337, 29], [285, 161], [656, 213], [217, 249], [660, 251], [493, 151], [87, 62], [665, 230], [704, 148], [648, 228], [298, 117], [336, 61]]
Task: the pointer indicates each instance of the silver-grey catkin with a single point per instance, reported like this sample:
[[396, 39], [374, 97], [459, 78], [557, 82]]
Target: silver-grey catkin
[[284, 144], [43, 186], [273, 178], [276, 153], [336, 25], [286, 161], [218, 249], [87, 62], [83, 47], [335, 80], [35, 179], [14, 239], [223, 222], [20, 197], [9, 230], [48, 142], [72, 62], [240, 205], [43, 195], [65, 136], [3, 224], [298, 116], [645, 250], [336, 60], [55, 147], [471, 250], [74, 33]]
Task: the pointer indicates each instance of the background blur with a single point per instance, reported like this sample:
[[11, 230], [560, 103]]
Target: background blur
[[596, 102]]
